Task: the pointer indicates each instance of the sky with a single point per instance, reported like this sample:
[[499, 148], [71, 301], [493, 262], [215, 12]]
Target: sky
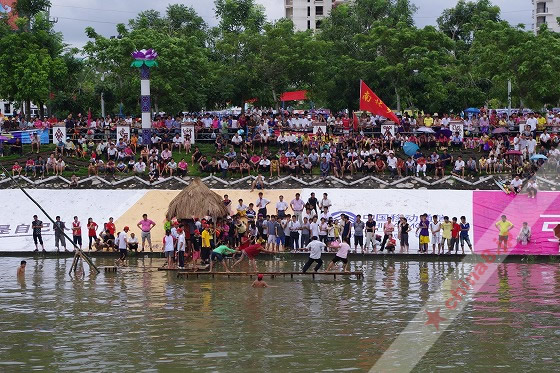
[[103, 15]]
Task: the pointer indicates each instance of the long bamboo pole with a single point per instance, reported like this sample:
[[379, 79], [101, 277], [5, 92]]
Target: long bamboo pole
[[76, 248]]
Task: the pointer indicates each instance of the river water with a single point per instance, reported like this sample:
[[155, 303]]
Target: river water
[[139, 319]]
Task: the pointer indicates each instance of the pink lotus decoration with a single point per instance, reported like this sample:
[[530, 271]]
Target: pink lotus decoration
[[145, 54]]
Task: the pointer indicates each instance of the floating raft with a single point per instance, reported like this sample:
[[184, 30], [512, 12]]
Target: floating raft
[[187, 274]]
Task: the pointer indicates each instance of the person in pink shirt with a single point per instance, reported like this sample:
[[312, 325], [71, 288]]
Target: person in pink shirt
[[146, 226], [341, 255], [182, 168], [388, 229]]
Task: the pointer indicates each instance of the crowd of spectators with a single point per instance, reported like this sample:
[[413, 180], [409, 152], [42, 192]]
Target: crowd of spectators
[[272, 144]]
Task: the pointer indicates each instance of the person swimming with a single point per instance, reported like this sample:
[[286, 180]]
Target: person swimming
[[21, 269], [259, 283]]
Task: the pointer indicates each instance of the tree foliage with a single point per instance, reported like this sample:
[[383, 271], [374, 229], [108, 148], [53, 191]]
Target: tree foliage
[[466, 60]]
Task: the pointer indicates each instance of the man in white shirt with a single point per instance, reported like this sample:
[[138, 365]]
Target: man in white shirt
[[516, 184], [392, 164], [325, 202], [223, 164], [459, 169], [545, 139], [177, 142], [264, 164], [181, 246], [314, 227], [281, 207], [531, 146], [532, 121], [516, 142], [237, 140], [435, 229], [315, 248], [122, 242], [294, 226], [260, 204], [139, 167], [241, 208]]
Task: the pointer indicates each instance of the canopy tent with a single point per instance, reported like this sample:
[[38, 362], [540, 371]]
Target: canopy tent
[[293, 96], [196, 200]]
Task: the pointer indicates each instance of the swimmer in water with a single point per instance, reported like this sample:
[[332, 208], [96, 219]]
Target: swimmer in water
[[259, 283], [21, 269]]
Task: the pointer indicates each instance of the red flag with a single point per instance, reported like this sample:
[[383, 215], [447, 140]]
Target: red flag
[[370, 102], [355, 120], [89, 117]]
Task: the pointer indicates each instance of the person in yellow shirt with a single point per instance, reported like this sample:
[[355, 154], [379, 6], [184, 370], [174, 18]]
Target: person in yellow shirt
[[504, 226], [541, 122], [206, 236], [428, 120], [446, 228]]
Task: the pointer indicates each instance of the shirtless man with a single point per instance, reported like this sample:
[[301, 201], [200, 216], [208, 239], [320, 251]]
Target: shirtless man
[[21, 269], [259, 283]]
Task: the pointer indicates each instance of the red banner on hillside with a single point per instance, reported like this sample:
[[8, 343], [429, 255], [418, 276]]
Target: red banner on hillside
[[370, 102]]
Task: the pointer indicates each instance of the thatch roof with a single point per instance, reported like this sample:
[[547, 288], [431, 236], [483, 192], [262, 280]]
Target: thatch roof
[[196, 200]]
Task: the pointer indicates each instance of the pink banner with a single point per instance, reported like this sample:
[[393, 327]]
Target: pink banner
[[541, 213]]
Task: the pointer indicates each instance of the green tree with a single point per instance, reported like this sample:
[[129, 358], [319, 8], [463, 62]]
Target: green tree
[[461, 21]]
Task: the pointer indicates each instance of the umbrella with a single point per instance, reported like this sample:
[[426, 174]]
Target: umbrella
[[538, 156], [472, 110], [410, 148], [500, 130], [426, 130], [514, 152], [445, 132]]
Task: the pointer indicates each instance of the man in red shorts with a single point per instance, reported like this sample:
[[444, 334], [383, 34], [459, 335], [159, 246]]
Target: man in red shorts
[[250, 252]]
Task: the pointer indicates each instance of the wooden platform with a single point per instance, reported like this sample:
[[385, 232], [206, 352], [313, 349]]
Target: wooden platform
[[192, 274], [108, 269], [186, 269]]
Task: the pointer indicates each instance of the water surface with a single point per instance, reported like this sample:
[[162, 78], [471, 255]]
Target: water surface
[[140, 319]]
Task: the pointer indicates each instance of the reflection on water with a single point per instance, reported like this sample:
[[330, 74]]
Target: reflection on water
[[142, 319]]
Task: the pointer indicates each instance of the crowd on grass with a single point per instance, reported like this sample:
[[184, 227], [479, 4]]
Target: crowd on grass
[[262, 142]]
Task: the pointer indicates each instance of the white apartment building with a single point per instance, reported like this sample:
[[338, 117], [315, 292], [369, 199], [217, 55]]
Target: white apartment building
[[546, 11], [308, 14]]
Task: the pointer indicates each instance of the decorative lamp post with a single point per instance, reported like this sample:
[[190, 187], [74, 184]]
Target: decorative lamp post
[[145, 59]]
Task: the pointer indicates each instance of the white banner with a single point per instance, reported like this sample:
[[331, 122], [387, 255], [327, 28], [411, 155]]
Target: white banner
[[123, 132], [187, 132], [319, 126], [457, 127], [59, 134], [388, 130]]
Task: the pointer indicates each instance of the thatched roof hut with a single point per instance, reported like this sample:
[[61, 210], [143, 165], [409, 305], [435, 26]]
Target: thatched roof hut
[[196, 200]]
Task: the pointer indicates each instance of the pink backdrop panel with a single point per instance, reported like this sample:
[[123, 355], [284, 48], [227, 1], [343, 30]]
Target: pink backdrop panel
[[542, 213]]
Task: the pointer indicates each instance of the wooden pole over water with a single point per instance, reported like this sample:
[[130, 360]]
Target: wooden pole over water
[[79, 251]]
